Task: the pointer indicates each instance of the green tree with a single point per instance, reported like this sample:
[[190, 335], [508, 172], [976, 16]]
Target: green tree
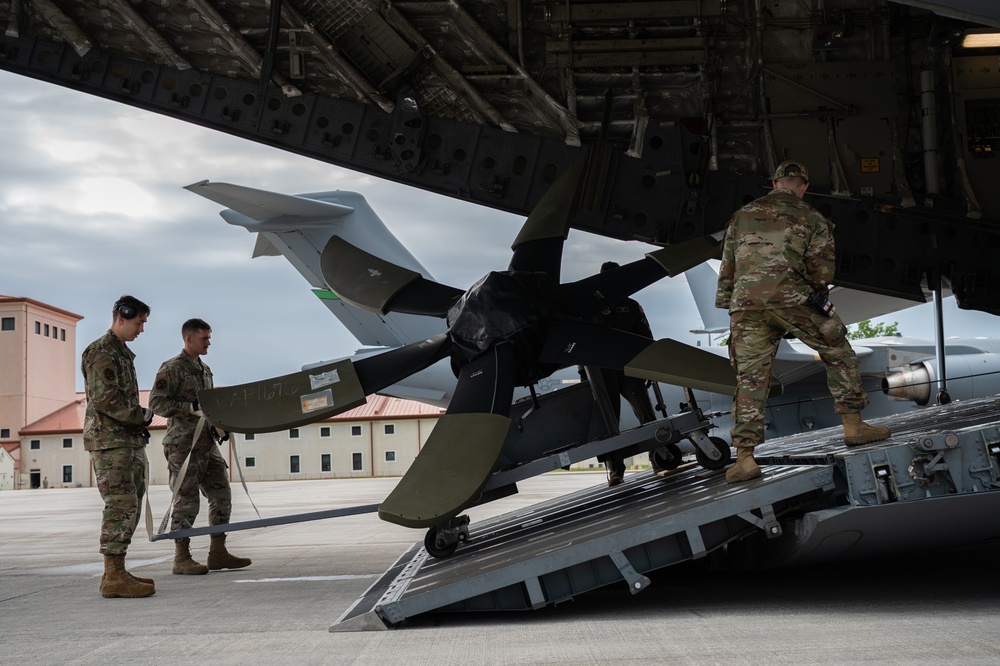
[[865, 329]]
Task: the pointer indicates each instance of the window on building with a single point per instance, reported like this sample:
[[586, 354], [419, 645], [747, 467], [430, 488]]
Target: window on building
[[293, 464], [55, 332], [67, 442], [38, 327], [248, 437], [356, 462], [389, 429], [7, 324], [390, 456], [355, 431], [324, 462], [62, 335], [324, 431], [293, 433], [46, 330], [250, 461], [35, 445], [67, 474], [4, 433]]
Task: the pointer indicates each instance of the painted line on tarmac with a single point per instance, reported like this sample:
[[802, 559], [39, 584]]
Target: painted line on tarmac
[[307, 578]]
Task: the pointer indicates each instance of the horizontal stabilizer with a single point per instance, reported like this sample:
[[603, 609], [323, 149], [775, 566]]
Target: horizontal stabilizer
[[269, 209]]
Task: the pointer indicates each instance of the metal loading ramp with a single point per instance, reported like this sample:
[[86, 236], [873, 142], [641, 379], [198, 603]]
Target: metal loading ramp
[[557, 549], [934, 483]]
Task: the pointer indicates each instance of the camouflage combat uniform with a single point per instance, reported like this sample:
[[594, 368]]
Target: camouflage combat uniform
[[113, 432], [175, 389], [777, 251]]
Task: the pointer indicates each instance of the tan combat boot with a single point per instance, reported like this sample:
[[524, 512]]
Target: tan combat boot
[[117, 583], [857, 432], [184, 564], [147, 581], [220, 558], [746, 467]]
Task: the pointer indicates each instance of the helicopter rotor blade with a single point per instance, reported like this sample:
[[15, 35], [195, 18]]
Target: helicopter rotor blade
[[307, 396], [374, 284]]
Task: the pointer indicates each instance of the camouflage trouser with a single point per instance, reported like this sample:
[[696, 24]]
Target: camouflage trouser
[[121, 478], [206, 472], [753, 341]]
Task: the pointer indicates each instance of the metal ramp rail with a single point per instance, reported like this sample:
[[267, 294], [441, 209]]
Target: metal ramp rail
[[557, 549]]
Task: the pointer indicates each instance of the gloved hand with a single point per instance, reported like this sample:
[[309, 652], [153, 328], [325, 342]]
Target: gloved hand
[[196, 409], [220, 434], [147, 416]]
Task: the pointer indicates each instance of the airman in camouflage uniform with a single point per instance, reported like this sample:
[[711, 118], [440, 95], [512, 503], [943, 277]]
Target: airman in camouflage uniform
[[175, 396], [777, 258], [626, 316], [114, 432]]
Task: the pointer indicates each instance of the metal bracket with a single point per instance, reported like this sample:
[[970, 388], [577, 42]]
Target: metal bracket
[[636, 581], [535, 595], [767, 522]]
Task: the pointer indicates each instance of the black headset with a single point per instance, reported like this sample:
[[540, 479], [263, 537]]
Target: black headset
[[126, 310]]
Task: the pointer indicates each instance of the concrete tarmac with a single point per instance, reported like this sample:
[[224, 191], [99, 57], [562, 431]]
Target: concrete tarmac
[[935, 607]]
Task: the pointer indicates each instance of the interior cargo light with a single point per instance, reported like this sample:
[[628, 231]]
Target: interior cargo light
[[981, 40]]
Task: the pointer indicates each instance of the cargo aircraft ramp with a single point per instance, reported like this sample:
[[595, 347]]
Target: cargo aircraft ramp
[[934, 483]]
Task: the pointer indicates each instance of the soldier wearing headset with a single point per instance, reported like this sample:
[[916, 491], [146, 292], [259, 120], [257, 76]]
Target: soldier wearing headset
[[114, 432]]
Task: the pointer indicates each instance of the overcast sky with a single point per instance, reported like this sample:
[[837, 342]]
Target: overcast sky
[[92, 207]]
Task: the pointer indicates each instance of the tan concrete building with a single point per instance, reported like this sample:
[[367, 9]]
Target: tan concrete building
[[380, 438], [37, 366]]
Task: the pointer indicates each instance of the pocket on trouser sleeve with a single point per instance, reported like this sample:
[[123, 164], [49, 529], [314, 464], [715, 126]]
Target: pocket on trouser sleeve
[[831, 329]]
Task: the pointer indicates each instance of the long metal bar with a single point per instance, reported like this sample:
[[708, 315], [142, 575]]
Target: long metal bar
[[267, 522]]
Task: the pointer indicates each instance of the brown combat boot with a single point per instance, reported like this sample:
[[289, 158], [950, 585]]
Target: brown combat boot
[[147, 581], [220, 558], [746, 467], [117, 583], [184, 564], [857, 432]]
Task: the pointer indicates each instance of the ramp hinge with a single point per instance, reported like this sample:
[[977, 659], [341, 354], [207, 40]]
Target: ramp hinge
[[767, 521], [636, 581]]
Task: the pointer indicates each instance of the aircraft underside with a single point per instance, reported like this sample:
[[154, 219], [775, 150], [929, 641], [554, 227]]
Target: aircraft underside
[[685, 107]]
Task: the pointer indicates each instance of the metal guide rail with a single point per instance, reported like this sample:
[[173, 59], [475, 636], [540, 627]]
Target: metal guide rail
[[555, 550], [935, 482]]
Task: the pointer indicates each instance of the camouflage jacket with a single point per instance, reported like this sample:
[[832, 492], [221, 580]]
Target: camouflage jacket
[[777, 251], [176, 387], [114, 416]]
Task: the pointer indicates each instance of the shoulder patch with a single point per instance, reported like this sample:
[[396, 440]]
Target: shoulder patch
[[109, 374], [160, 384]]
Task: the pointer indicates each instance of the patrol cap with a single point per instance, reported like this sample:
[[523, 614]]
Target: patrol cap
[[791, 168]]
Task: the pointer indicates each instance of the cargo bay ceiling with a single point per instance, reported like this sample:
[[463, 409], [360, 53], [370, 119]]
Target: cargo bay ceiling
[[683, 106]]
